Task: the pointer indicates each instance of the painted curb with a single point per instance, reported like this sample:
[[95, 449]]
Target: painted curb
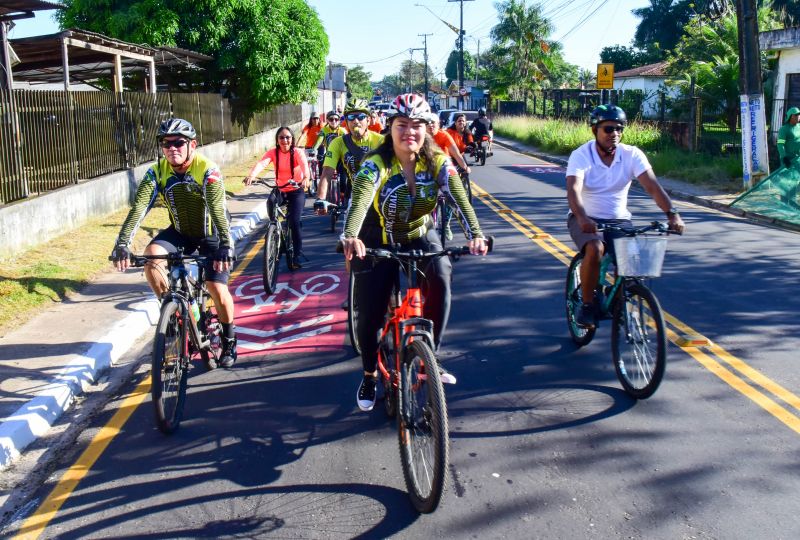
[[34, 418]]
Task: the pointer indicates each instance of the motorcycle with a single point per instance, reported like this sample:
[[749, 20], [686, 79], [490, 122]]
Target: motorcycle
[[479, 150]]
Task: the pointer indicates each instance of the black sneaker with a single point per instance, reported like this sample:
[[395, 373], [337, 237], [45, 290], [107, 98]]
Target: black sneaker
[[585, 316], [228, 356], [365, 397]]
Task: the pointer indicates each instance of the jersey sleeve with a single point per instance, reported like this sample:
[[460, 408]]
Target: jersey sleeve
[[451, 185], [334, 153], [145, 197], [215, 202], [365, 185]]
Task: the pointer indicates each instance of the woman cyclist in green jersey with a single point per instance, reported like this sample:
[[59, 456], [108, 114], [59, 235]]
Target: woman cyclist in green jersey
[[393, 195]]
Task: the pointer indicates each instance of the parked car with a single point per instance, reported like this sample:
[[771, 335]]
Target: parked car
[[444, 114]]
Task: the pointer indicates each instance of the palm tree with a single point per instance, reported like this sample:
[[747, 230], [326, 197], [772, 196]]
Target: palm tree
[[522, 35], [586, 78]]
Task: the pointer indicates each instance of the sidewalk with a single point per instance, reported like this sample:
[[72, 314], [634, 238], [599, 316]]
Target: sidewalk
[[57, 355]]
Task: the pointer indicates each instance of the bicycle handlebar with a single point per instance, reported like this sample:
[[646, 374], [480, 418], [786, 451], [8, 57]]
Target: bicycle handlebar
[[656, 226], [273, 183], [418, 254], [140, 260]]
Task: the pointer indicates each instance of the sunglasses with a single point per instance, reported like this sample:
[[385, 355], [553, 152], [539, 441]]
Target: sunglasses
[[179, 143], [333, 119], [612, 129], [356, 116], [285, 138]]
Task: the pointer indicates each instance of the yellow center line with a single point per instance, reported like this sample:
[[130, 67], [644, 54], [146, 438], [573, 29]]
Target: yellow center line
[[565, 254], [35, 524]]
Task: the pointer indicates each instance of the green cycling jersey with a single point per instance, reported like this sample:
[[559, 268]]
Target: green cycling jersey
[[195, 201], [382, 201], [338, 152]]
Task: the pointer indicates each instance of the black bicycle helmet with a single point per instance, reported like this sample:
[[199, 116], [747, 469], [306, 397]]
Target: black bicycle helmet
[[608, 113], [482, 112], [176, 127]]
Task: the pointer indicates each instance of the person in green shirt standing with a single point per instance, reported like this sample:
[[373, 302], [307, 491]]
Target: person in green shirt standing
[[789, 138]]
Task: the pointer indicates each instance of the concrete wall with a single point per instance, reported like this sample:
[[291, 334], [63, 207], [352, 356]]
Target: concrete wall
[[30, 222]]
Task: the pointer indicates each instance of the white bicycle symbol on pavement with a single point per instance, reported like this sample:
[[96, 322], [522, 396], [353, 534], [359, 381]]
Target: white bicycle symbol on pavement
[[253, 289]]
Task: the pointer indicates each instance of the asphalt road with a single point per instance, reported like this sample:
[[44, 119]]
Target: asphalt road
[[544, 443]]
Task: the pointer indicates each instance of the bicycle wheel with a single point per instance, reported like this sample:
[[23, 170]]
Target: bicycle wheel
[[333, 215], [483, 155], [580, 335], [639, 341], [272, 254], [170, 368], [422, 427], [288, 246], [352, 314]]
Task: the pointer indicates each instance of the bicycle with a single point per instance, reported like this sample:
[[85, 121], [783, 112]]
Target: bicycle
[[442, 215], [638, 334], [410, 375], [277, 238], [313, 167], [336, 198], [186, 326]]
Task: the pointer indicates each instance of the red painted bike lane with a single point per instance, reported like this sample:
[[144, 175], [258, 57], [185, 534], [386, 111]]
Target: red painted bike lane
[[304, 314]]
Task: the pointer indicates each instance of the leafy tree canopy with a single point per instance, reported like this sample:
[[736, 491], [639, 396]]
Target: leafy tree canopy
[[265, 52], [628, 57], [451, 69], [358, 84]]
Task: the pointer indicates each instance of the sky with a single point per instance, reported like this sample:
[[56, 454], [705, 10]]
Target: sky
[[377, 34]]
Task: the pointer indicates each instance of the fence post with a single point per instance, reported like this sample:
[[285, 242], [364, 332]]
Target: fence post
[[662, 109]]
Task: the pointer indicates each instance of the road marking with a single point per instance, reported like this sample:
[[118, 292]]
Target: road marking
[[34, 526], [686, 338]]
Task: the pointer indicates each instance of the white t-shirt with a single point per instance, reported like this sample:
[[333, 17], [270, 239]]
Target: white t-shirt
[[605, 188]]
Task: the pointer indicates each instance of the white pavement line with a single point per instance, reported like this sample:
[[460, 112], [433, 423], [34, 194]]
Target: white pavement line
[[249, 222], [269, 344], [33, 419], [282, 329]]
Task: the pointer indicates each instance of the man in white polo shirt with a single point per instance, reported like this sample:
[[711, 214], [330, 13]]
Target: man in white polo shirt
[[599, 175]]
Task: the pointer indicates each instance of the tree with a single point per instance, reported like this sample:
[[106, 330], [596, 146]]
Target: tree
[[788, 11], [587, 78], [412, 76], [451, 69], [628, 57], [358, 84], [265, 52], [521, 37]]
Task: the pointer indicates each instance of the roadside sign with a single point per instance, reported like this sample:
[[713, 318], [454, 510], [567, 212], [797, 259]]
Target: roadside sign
[[605, 76]]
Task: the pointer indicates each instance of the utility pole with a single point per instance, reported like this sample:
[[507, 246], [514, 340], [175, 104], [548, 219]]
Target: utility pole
[[461, 54], [425, 42], [755, 161], [411, 69]]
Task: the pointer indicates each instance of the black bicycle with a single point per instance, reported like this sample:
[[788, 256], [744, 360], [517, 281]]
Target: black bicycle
[[277, 238], [638, 334], [188, 326]]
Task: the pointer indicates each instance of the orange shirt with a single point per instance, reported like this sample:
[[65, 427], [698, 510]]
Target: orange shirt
[[284, 167], [444, 140], [311, 133], [461, 142], [377, 127]]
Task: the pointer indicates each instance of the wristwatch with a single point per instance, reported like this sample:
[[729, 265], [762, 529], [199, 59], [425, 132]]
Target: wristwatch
[[672, 211]]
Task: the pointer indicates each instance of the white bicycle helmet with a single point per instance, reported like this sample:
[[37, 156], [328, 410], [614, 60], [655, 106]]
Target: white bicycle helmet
[[411, 106]]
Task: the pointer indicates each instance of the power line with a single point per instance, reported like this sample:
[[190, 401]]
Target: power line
[[404, 51]]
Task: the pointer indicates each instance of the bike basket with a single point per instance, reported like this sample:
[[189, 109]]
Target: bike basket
[[640, 255]]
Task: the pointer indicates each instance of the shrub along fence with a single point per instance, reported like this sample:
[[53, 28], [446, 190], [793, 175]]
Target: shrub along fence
[[51, 139]]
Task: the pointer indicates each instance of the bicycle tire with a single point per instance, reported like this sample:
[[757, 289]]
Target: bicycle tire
[[272, 254], [422, 427], [441, 222], [352, 314], [169, 368], [333, 216], [288, 246], [390, 383], [640, 357], [580, 335], [483, 156]]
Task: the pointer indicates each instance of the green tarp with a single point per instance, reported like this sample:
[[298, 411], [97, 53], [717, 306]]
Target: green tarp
[[776, 196]]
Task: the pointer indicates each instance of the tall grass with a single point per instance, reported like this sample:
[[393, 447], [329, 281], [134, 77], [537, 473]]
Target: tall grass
[[564, 136]]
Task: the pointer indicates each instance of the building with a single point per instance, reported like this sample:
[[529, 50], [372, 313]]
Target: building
[[785, 46], [651, 80]]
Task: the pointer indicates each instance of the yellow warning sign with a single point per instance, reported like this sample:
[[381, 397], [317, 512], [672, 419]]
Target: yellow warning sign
[[605, 76]]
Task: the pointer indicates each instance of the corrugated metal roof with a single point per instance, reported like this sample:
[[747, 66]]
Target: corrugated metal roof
[[22, 6], [651, 70]]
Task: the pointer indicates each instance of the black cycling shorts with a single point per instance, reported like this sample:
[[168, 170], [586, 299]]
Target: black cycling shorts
[[172, 240]]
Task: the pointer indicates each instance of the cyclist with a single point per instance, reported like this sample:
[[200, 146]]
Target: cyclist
[[328, 133], [310, 131], [599, 175], [445, 141], [292, 178], [460, 134], [483, 126], [191, 187], [789, 138], [394, 193], [346, 152], [375, 123]]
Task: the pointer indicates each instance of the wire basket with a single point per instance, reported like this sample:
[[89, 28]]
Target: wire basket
[[640, 256]]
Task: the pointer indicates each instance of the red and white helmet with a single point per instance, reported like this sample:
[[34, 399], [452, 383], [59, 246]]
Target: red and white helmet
[[411, 106]]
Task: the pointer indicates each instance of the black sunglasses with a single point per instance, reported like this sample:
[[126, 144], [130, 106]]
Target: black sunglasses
[[178, 143], [356, 116], [612, 129], [285, 138]]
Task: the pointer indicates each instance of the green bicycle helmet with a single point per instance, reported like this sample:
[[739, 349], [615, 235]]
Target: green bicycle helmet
[[356, 105], [608, 113]]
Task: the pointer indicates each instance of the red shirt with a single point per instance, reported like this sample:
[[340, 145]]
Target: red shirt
[[284, 167], [444, 140]]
